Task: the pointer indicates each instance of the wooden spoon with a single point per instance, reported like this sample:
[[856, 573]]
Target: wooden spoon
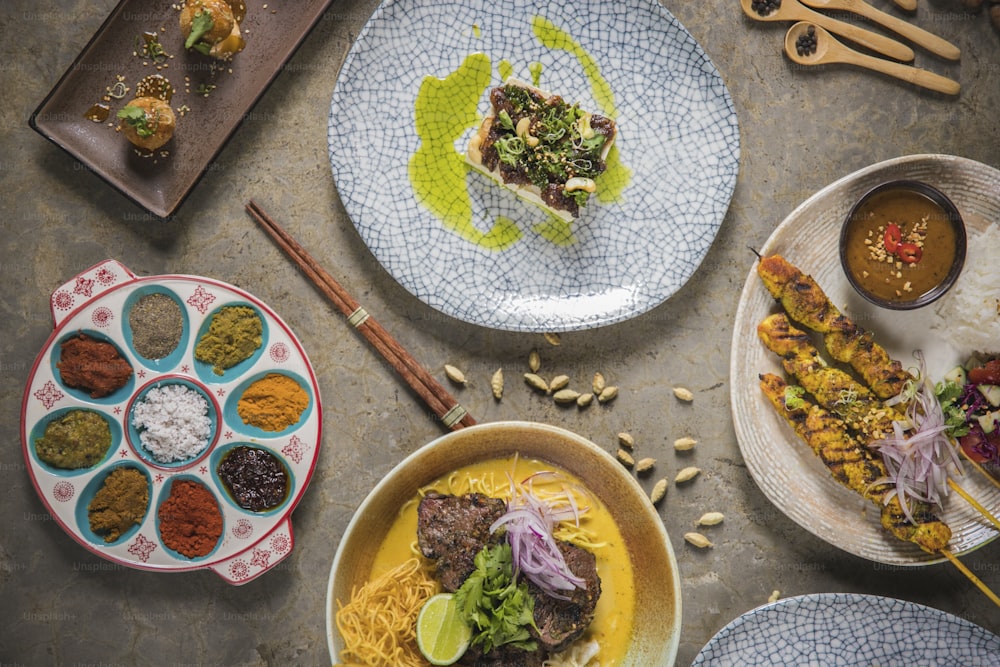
[[919, 36], [908, 5], [793, 10], [829, 50]]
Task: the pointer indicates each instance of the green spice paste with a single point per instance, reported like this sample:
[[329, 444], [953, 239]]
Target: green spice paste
[[119, 504], [78, 439], [233, 335]]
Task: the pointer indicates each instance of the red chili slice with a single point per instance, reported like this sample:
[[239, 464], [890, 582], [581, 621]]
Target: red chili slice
[[892, 237], [910, 252]]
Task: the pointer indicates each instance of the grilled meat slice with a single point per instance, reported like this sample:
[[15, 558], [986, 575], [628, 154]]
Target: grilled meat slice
[[834, 389], [805, 302], [560, 622], [856, 467], [503, 656], [451, 530]]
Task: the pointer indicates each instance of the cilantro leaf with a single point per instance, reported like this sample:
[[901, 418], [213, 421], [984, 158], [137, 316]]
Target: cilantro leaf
[[136, 117], [497, 607], [200, 26]]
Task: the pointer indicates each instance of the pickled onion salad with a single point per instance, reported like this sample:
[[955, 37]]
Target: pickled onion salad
[[970, 398], [918, 456]]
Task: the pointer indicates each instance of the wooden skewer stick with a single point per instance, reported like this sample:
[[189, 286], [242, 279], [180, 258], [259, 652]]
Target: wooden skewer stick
[[980, 468], [449, 411], [971, 577], [972, 501]]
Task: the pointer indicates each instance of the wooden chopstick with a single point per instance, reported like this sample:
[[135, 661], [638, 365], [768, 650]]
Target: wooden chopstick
[[438, 399]]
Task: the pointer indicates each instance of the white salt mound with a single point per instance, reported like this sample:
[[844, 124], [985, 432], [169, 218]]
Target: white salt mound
[[971, 309], [173, 422]]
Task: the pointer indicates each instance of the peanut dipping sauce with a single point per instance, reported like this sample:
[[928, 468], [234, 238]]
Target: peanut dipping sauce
[[899, 245]]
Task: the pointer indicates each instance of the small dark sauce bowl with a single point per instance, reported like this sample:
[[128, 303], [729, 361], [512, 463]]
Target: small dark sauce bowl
[[954, 218]]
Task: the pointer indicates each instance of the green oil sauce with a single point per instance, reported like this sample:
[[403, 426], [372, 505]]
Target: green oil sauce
[[555, 38], [445, 109], [476, 32], [536, 73], [505, 69], [556, 230]]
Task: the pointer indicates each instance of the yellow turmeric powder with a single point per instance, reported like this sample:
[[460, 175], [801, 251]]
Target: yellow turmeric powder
[[272, 403]]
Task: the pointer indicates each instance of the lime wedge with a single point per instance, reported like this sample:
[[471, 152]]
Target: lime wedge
[[442, 633]]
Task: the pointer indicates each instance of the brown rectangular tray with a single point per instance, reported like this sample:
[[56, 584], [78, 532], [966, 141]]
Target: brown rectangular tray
[[161, 183]]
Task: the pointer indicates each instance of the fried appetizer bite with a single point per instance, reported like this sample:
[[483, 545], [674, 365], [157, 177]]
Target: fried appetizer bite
[[211, 28], [147, 122]]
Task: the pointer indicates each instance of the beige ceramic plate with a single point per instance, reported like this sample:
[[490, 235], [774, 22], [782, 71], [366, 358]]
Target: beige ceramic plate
[[657, 582], [786, 470]]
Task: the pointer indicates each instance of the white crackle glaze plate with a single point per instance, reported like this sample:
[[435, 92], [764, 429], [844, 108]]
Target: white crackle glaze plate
[[832, 629], [678, 135], [785, 469], [97, 303]]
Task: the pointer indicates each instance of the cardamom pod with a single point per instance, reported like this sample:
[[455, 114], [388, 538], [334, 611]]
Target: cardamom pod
[[583, 400], [710, 519], [455, 375], [625, 458], [559, 382], [565, 396], [534, 361], [698, 540], [687, 474], [607, 394], [626, 440], [536, 382], [552, 338], [659, 491], [496, 384], [644, 465], [683, 394], [598, 384], [684, 444]]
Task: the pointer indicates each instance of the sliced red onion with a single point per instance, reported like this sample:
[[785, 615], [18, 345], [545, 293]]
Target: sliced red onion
[[530, 522]]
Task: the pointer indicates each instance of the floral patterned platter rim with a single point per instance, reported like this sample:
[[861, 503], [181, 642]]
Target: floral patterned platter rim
[[849, 629], [678, 139], [96, 302], [785, 469]]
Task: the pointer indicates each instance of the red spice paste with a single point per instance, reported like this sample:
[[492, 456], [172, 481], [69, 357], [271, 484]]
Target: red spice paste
[[93, 366], [190, 520]]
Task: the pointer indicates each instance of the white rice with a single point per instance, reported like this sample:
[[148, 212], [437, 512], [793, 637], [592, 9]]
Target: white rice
[[173, 422], [971, 309]]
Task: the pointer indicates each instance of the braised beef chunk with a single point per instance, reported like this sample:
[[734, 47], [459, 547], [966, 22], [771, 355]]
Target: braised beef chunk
[[561, 621], [503, 656], [453, 529]]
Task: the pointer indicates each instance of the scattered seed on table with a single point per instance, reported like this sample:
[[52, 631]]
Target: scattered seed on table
[[659, 491], [698, 540], [710, 519], [625, 458], [534, 361], [553, 339], [607, 394], [683, 394], [684, 444], [583, 400], [566, 396], [496, 384], [559, 382], [773, 597], [626, 440], [598, 383], [536, 382], [455, 375], [687, 474], [644, 465]]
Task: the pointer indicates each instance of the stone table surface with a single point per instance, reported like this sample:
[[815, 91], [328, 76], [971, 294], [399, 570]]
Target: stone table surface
[[800, 130]]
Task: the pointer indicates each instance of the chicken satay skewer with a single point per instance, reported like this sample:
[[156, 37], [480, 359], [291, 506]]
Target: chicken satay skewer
[[856, 467], [806, 302], [863, 413], [932, 536]]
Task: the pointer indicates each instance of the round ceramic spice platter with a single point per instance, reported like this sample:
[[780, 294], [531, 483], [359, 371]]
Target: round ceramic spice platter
[[97, 304]]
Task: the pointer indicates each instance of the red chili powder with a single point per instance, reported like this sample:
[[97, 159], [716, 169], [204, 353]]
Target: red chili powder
[[190, 520]]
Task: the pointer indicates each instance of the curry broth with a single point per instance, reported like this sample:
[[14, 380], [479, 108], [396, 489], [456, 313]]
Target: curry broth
[[885, 275], [613, 616]]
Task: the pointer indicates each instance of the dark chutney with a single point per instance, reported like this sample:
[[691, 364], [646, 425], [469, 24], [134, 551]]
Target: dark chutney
[[255, 478]]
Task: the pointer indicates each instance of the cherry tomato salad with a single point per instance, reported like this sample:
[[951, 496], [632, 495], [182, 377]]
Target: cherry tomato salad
[[970, 398]]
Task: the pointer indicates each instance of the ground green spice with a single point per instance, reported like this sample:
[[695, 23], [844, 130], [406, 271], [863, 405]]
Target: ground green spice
[[119, 504], [157, 324], [233, 335], [78, 439]]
